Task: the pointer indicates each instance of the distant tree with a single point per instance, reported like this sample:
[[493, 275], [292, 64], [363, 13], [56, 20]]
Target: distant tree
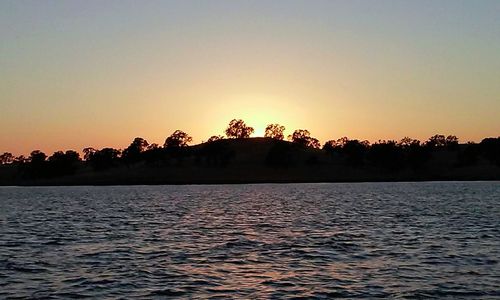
[[69, 156], [139, 143], [490, 149], [336, 145], [440, 140], [58, 155], [237, 129], [342, 141], [314, 143], [437, 140], [354, 150], [61, 163], [72, 156], [37, 157], [385, 154], [153, 153], [407, 142], [66, 157], [178, 139], [110, 153], [133, 152], [303, 137], [36, 165], [153, 146], [6, 158], [469, 155], [416, 154], [104, 158], [275, 131], [330, 146], [451, 142], [88, 152], [21, 159], [300, 136], [365, 143], [214, 138]]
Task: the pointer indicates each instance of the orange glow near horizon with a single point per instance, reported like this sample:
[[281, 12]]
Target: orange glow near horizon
[[78, 74]]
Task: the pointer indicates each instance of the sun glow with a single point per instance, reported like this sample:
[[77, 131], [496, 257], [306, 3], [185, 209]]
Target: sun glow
[[259, 132], [258, 111]]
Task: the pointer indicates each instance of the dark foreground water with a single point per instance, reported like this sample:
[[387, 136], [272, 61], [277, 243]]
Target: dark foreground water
[[397, 240]]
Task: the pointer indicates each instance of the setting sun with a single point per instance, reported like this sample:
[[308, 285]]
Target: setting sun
[[257, 111]]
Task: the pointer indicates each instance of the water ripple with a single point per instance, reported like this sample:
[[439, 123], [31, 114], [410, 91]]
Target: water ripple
[[297, 241]]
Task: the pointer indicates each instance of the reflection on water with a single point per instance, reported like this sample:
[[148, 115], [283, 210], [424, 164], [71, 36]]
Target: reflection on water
[[252, 241]]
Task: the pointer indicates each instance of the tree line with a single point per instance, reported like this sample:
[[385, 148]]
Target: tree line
[[407, 152]]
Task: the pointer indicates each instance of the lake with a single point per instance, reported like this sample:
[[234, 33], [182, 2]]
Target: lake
[[347, 240]]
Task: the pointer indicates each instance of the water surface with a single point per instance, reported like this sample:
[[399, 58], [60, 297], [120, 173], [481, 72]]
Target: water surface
[[366, 240]]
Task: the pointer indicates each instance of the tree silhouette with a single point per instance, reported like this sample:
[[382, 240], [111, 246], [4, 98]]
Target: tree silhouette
[[237, 129], [416, 155], [139, 143], [407, 142], [331, 146], [178, 139], [439, 140], [21, 159], [275, 131], [490, 148], [37, 157], [452, 142], [354, 151], [214, 138], [68, 156], [35, 167], [57, 156], [469, 155], [335, 145], [6, 158], [88, 152], [314, 143], [153, 146], [385, 154], [342, 141], [104, 158], [61, 163], [133, 152], [153, 153], [303, 137]]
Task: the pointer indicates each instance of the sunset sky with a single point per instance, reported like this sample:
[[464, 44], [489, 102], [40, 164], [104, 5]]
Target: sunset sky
[[99, 73]]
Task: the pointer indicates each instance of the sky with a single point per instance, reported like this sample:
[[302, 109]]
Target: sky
[[99, 73]]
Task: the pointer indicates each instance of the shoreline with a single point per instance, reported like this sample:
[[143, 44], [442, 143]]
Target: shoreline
[[261, 160], [242, 182]]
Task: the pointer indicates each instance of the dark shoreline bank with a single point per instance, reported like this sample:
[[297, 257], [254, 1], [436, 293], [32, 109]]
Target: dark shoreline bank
[[263, 160]]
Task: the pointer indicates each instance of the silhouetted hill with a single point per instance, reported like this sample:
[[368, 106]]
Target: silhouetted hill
[[254, 160]]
